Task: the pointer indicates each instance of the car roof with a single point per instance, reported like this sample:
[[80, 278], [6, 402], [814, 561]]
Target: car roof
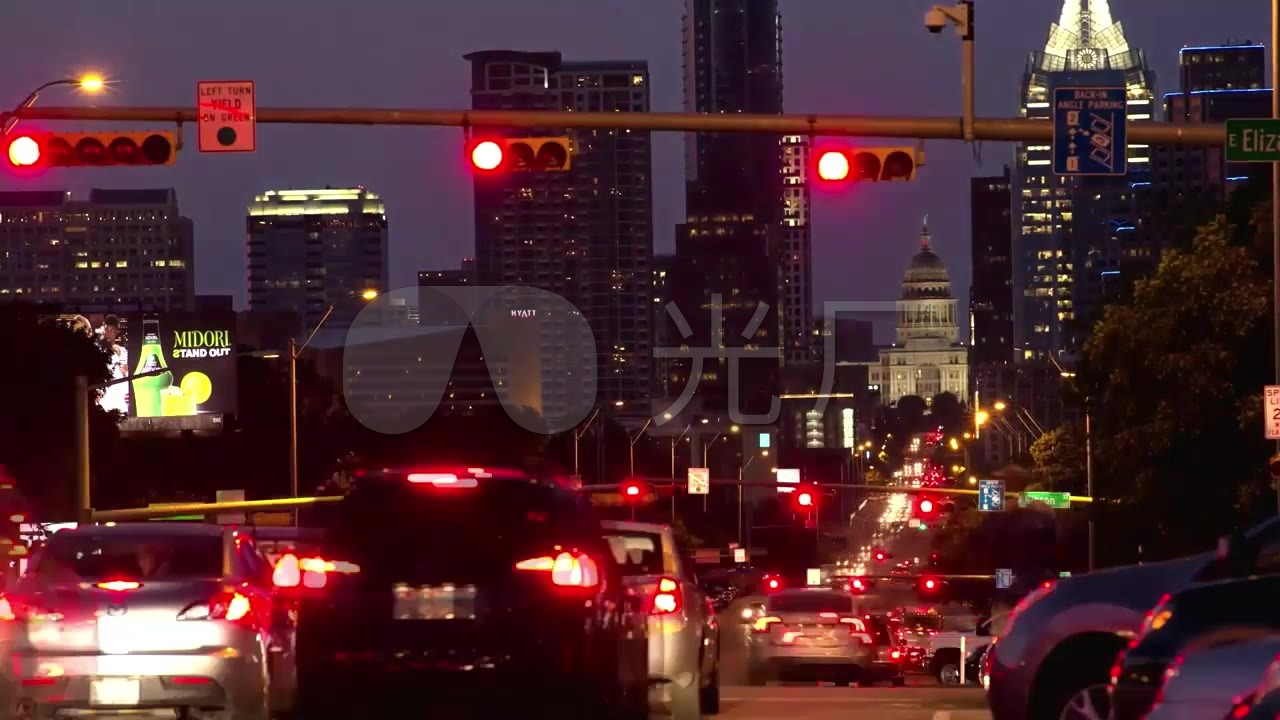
[[147, 529], [630, 526]]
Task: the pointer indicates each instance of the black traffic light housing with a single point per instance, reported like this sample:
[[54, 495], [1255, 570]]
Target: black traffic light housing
[[868, 164], [521, 154], [1274, 467], [105, 149]]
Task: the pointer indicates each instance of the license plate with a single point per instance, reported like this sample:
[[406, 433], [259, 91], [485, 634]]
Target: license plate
[[115, 691], [434, 602]]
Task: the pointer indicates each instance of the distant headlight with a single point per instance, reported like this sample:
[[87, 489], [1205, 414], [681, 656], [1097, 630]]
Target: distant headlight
[[747, 613]]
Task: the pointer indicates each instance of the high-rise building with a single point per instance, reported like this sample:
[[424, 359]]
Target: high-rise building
[[1053, 250], [796, 293], [991, 291], [119, 250], [585, 234], [1229, 66], [312, 249], [732, 244]]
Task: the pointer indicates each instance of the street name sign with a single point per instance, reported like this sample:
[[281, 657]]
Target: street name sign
[[1090, 131], [1253, 140], [788, 476], [1055, 500], [226, 117], [699, 481], [991, 495], [1271, 411], [739, 555]]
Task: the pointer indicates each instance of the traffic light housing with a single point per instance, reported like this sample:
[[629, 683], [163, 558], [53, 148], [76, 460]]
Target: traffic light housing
[[1274, 467], [925, 508], [862, 164], [521, 154], [106, 149]]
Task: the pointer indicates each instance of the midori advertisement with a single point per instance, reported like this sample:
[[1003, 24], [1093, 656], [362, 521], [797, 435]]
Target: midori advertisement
[[194, 352]]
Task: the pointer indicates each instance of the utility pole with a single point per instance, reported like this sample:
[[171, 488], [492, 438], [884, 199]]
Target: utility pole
[[634, 440], [1088, 473], [577, 440], [294, 353], [1275, 197]]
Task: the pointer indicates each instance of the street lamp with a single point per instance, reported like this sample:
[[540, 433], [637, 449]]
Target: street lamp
[[675, 441], [577, 440], [961, 16], [92, 83], [634, 440]]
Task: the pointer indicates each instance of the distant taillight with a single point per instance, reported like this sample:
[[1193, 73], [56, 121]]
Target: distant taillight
[[568, 569], [312, 572], [447, 480]]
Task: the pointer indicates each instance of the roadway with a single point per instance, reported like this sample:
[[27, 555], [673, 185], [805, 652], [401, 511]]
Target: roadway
[[872, 527]]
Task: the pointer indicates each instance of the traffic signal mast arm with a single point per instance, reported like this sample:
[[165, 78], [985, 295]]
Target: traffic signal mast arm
[[931, 491], [928, 128]]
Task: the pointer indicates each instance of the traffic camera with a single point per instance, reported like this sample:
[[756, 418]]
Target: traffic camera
[[883, 164], [41, 150], [541, 154]]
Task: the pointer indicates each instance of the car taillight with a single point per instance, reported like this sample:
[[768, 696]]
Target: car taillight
[[761, 625], [292, 571], [568, 569], [119, 585], [669, 599], [230, 606], [442, 480], [7, 610]]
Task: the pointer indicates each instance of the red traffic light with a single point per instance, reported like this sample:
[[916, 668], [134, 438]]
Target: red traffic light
[[487, 155], [833, 166], [772, 582], [930, 584], [24, 151], [881, 556], [858, 585], [926, 507], [632, 491], [804, 499]]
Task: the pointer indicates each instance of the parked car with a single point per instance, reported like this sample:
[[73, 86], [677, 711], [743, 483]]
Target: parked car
[[684, 634], [1061, 640]]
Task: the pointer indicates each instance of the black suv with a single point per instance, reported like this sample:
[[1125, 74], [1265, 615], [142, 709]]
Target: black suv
[[468, 593]]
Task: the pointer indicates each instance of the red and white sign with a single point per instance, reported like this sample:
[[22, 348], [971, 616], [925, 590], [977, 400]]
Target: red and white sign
[[226, 113], [1271, 411]]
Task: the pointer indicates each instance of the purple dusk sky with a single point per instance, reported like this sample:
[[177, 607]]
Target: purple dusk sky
[[841, 56]]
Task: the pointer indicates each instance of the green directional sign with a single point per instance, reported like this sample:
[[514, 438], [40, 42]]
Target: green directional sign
[[1253, 140], [1055, 500]]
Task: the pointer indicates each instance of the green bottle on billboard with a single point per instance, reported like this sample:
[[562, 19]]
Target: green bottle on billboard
[[147, 391]]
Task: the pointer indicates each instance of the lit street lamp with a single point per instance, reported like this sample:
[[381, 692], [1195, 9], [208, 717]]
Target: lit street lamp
[[91, 83]]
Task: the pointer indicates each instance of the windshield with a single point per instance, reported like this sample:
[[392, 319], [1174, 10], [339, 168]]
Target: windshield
[[811, 602], [142, 557]]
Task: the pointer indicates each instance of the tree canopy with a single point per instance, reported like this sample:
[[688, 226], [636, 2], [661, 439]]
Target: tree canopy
[[1173, 380]]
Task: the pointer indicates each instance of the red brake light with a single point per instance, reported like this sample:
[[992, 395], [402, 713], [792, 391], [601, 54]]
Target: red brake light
[[442, 480], [230, 606], [567, 569], [312, 572], [119, 585], [669, 599], [895, 654], [287, 573], [6, 610]]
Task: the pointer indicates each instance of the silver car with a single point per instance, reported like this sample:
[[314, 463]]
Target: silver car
[[812, 629], [684, 634], [176, 618], [1212, 683]]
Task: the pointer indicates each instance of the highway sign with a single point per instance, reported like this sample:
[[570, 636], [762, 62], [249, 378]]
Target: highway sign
[[1004, 578], [739, 555], [1271, 411], [813, 576], [991, 495], [1253, 140], [1090, 131], [788, 476], [227, 117], [1055, 500], [699, 481]]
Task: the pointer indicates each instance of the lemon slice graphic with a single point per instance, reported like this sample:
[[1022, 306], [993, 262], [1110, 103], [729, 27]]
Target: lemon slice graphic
[[197, 386]]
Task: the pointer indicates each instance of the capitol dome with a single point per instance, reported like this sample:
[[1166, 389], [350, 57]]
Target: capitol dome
[[926, 276]]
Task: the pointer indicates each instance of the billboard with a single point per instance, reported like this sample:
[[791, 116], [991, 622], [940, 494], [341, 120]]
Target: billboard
[[195, 353]]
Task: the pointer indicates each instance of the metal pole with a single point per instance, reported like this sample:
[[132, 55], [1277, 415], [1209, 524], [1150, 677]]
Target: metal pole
[[673, 480], [925, 128], [1088, 472], [293, 422], [1275, 194], [967, 75], [83, 484], [577, 441]]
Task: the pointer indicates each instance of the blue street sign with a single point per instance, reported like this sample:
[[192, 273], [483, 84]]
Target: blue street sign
[[1004, 578], [991, 495], [1089, 131]]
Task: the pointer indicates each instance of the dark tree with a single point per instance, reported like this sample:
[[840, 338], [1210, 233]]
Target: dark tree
[[946, 411], [37, 432], [910, 410]]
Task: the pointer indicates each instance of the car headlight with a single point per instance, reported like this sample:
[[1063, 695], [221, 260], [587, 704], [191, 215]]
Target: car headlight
[[748, 613]]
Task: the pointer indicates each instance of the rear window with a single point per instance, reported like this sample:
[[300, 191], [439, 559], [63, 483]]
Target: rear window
[[397, 531], [142, 557], [637, 553], [811, 603]]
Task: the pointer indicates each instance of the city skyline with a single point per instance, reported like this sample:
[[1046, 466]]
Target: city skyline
[[421, 175]]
